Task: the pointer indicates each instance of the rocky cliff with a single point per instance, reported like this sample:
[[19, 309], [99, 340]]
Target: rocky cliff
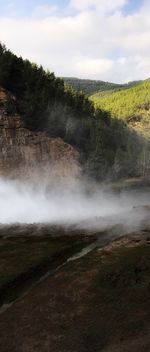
[[24, 153]]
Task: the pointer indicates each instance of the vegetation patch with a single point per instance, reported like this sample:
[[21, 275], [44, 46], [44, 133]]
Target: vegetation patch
[[132, 105], [109, 147]]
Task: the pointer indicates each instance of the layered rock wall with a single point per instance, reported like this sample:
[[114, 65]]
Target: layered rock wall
[[24, 153]]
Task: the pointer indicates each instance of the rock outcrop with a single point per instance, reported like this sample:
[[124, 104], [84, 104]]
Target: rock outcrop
[[24, 153]]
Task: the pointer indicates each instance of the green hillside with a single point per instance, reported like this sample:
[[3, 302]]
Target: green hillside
[[108, 148], [132, 105], [89, 87]]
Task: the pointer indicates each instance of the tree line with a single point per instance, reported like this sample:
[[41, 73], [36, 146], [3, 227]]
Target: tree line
[[107, 147]]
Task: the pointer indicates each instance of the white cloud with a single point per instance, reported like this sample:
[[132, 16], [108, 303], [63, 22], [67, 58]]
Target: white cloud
[[45, 10], [102, 5], [94, 67], [122, 61], [97, 41]]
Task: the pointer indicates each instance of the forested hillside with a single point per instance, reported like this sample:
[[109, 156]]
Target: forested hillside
[[89, 87], [107, 147], [132, 105]]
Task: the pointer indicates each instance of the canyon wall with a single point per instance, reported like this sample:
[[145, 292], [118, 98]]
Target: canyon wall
[[25, 154]]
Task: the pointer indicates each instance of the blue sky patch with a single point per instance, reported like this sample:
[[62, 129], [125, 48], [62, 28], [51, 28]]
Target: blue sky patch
[[24, 8], [132, 6]]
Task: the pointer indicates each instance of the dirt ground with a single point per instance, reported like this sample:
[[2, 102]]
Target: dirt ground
[[100, 302]]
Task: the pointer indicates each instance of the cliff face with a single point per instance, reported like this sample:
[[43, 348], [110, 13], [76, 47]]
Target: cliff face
[[24, 153]]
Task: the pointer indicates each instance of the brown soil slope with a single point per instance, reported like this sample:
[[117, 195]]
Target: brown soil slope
[[100, 302]]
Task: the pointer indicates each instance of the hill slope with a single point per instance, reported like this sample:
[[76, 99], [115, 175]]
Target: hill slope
[[107, 147], [89, 87], [132, 105]]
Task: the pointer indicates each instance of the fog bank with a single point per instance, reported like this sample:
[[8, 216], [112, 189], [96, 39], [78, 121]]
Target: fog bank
[[71, 204]]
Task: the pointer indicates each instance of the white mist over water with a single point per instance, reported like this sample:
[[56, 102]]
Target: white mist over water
[[68, 204]]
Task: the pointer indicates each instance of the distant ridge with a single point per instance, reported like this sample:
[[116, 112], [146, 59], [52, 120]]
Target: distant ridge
[[90, 87]]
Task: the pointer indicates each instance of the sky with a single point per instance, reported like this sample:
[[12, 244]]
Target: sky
[[97, 39]]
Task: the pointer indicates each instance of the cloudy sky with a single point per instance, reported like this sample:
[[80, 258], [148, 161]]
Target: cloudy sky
[[97, 39]]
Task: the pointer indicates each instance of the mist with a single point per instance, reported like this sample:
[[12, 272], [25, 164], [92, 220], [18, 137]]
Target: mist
[[71, 204]]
